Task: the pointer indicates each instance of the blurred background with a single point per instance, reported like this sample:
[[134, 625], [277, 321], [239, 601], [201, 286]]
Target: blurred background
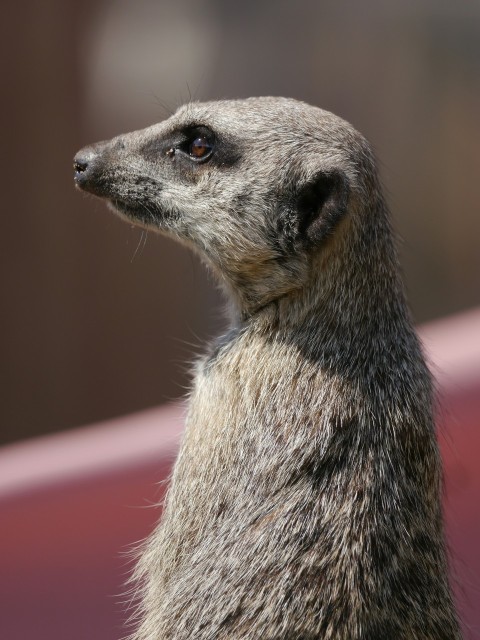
[[96, 320]]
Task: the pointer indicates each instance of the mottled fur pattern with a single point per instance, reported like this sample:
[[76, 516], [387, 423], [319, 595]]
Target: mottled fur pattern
[[305, 501]]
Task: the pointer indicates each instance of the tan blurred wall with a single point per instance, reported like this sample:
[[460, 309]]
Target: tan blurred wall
[[93, 322]]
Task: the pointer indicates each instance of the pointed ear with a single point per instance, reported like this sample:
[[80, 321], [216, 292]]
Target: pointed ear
[[321, 204]]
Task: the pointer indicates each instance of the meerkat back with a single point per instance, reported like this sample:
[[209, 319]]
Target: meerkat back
[[305, 502]]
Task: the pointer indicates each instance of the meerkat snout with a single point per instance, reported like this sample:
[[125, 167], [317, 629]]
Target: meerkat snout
[[306, 499], [89, 168]]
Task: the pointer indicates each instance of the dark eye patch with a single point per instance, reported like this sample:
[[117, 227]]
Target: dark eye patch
[[191, 146]]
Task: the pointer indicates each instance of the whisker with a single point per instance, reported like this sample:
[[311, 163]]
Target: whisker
[[138, 245]]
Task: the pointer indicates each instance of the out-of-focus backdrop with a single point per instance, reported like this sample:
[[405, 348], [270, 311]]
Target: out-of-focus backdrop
[[98, 320], [95, 319]]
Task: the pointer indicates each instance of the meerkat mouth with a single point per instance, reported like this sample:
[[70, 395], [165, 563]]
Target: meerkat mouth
[[138, 212]]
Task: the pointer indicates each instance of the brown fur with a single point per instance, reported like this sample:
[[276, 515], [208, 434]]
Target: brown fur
[[305, 501]]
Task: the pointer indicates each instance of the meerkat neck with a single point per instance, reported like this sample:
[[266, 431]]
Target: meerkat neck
[[358, 301]]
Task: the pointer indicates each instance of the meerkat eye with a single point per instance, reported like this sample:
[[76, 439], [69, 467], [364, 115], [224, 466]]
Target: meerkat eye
[[198, 143], [200, 148]]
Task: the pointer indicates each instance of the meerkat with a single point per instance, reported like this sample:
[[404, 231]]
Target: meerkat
[[305, 502]]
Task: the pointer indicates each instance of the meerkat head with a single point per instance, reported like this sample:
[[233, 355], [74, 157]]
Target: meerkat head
[[258, 186]]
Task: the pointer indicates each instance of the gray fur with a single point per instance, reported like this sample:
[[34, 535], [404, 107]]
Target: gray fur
[[305, 501]]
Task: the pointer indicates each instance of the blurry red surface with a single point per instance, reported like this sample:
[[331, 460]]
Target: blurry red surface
[[73, 504], [67, 522]]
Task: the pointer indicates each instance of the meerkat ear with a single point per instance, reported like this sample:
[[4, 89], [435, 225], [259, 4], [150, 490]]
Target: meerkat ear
[[321, 204]]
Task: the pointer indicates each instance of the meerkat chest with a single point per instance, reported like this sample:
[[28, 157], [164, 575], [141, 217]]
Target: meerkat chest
[[246, 379], [252, 398]]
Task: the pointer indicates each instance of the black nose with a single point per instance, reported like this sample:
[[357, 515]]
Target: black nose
[[82, 164]]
